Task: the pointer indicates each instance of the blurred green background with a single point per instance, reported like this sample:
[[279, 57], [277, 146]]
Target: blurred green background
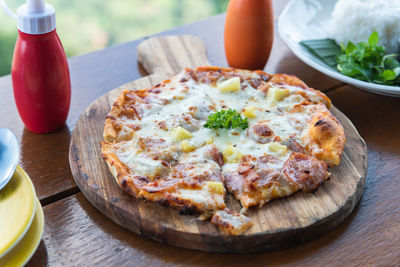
[[89, 25]]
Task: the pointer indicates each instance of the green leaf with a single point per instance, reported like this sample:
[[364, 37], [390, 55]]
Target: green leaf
[[325, 49], [373, 39], [342, 47], [389, 62], [354, 70], [350, 48], [389, 75]]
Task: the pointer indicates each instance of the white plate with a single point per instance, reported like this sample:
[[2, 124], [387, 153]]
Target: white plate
[[310, 19]]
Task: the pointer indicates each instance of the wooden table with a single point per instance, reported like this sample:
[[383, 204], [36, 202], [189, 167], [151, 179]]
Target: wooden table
[[79, 235]]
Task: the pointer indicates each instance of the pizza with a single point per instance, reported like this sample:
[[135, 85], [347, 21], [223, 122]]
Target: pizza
[[210, 131]]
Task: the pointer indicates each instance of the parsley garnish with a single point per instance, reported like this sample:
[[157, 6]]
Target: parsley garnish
[[228, 119]]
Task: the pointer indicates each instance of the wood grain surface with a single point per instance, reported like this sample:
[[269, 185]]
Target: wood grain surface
[[279, 224], [77, 234]]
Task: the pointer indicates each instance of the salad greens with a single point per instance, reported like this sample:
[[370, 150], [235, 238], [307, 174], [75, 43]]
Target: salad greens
[[228, 119], [366, 61]]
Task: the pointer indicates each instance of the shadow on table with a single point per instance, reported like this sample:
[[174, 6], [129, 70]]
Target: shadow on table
[[45, 158], [40, 257], [147, 250]]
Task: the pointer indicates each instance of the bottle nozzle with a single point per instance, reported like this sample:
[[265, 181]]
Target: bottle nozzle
[[35, 6], [34, 17]]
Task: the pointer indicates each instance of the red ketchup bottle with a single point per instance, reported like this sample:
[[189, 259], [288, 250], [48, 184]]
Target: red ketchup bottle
[[40, 74]]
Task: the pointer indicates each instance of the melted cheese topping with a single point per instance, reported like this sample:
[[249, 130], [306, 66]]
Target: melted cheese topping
[[187, 104]]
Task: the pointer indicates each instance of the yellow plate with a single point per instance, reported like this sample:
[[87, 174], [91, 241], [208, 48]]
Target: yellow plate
[[17, 209], [25, 248]]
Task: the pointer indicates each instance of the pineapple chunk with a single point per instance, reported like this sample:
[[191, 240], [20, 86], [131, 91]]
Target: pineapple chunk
[[186, 147], [232, 155], [277, 148], [277, 94], [230, 85], [249, 112], [180, 133], [216, 187], [210, 140]]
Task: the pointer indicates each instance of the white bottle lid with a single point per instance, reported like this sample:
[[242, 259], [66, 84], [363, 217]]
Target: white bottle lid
[[36, 17]]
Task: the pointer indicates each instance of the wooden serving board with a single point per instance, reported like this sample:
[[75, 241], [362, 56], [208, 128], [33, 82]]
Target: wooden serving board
[[279, 224]]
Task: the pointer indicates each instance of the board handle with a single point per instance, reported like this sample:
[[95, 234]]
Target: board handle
[[171, 54]]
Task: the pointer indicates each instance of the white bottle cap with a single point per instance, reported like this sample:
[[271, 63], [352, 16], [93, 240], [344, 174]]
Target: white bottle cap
[[36, 17]]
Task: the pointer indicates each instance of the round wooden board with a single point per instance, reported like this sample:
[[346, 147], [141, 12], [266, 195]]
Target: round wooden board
[[279, 224]]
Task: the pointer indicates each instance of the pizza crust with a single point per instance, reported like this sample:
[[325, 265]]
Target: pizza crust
[[325, 137], [110, 124], [329, 133], [118, 169]]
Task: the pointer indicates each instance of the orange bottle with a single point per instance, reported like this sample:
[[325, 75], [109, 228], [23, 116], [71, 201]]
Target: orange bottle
[[249, 33]]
